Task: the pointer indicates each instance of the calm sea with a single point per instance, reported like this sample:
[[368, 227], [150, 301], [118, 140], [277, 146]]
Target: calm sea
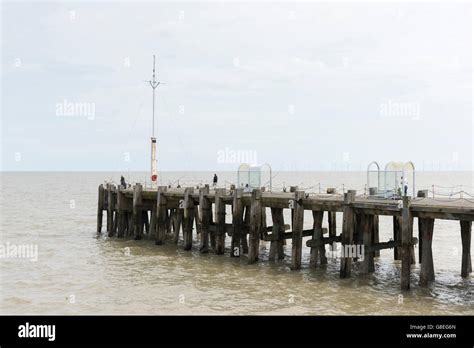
[[77, 272]]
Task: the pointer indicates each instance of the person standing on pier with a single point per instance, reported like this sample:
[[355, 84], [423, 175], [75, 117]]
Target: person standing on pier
[[122, 182], [404, 182], [214, 181]]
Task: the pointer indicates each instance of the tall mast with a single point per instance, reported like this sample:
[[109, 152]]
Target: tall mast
[[153, 84], [154, 171]]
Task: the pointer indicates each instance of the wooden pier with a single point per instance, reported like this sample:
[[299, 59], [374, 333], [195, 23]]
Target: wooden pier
[[154, 214]]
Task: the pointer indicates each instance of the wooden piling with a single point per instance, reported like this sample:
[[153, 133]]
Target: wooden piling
[[297, 238], [178, 223], [121, 212], [466, 265], [110, 209], [255, 224], [406, 248], [137, 211], [246, 231], [278, 229], [420, 194], [366, 225], [318, 252], [375, 233], [205, 216], [219, 206], [397, 253], [347, 232], [237, 223], [427, 266], [100, 207], [188, 218], [161, 215]]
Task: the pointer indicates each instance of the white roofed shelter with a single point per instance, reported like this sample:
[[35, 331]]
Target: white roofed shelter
[[250, 176], [389, 182]]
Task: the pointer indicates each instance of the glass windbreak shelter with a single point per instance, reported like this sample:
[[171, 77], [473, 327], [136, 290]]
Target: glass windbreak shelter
[[254, 176], [390, 182]]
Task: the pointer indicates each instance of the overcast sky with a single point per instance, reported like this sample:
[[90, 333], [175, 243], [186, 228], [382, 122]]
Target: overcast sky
[[308, 86]]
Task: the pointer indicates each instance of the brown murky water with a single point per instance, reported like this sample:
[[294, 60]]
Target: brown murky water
[[78, 273]]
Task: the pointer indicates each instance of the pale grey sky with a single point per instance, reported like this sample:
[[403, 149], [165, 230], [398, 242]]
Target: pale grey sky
[[305, 86]]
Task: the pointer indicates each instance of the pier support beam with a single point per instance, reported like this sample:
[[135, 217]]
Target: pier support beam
[[110, 209], [220, 221], [278, 229], [255, 224], [188, 218], [347, 232], [205, 216], [397, 223], [100, 207], [161, 215], [121, 212], [375, 233], [318, 252], [407, 246], [298, 220], [466, 265], [366, 229], [426, 226], [237, 223], [137, 211], [332, 225]]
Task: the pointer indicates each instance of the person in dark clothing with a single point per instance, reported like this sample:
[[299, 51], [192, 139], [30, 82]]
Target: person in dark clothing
[[122, 182], [214, 181]]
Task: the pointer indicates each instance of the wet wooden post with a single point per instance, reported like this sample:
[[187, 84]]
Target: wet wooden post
[[297, 236], [466, 265], [237, 223], [246, 230], [367, 264], [161, 215], [420, 194], [110, 209], [278, 230], [375, 233], [332, 215], [347, 232], [205, 217], [188, 218], [427, 266], [373, 191], [255, 224], [320, 251], [137, 211], [121, 211], [407, 246], [397, 225], [178, 222], [219, 206], [100, 207]]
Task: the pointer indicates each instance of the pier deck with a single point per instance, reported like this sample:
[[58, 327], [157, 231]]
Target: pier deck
[[152, 214]]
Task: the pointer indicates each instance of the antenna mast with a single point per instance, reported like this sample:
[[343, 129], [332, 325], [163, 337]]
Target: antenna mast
[[153, 84], [154, 171]]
